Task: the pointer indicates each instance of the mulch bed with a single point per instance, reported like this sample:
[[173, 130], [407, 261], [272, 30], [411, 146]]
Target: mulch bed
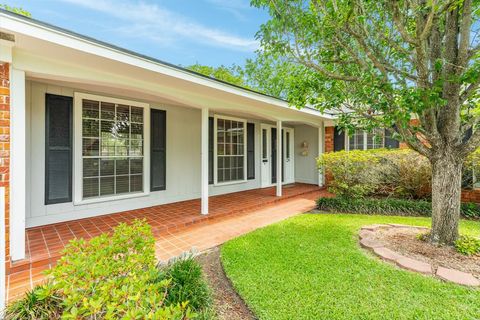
[[227, 303], [405, 242]]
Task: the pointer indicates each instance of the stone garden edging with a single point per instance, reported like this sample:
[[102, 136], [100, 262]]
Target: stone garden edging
[[450, 275]]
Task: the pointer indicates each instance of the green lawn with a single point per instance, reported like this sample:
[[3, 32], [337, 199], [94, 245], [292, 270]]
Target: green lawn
[[311, 267]]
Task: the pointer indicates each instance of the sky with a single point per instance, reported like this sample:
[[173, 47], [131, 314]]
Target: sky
[[183, 32]]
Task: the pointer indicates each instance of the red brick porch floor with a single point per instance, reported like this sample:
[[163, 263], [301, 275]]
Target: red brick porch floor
[[177, 227]]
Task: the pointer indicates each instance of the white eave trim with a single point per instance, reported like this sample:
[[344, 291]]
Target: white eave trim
[[46, 33]]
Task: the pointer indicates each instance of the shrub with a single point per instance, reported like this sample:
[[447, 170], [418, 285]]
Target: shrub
[[470, 210], [388, 206], [402, 173], [38, 303], [351, 172], [468, 245], [188, 284], [111, 276]]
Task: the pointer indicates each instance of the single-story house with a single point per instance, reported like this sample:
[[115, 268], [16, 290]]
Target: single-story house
[[88, 128]]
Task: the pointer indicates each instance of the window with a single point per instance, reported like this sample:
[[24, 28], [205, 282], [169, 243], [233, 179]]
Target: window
[[112, 147], [375, 139], [264, 146], [230, 149], [363, 140], [356, 140]]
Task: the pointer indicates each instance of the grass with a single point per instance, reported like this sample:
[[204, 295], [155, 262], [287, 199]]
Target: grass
[[311, 267]]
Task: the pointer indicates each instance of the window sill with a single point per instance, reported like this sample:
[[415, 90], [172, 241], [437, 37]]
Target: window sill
[[221, 184], [110, 198]]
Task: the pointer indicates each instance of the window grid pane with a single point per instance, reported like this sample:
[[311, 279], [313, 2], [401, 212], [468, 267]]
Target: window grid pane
[[112, 149], [375, 139], [355, 141], [230, 150]]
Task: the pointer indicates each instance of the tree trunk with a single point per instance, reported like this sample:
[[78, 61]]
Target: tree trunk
[[446, 193]]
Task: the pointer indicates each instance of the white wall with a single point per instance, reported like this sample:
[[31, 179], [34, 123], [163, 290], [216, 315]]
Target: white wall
[[183, 162], [305, 166]]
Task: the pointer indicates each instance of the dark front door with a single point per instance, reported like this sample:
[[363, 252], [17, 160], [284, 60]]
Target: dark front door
[[274, 156]]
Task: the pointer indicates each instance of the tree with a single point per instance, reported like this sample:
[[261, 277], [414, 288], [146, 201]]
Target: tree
[[18, 10], [233, 74], [383, 63]]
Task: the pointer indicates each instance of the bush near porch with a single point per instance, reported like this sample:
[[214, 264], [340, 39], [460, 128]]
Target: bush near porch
[[399, 173], [116, 277]]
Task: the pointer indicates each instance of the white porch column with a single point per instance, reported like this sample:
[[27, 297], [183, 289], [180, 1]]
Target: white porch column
[[204, 161], [321, 150], [279, 158], [17, 164]]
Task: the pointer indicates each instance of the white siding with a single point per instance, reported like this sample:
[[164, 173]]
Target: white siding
[[305, 166], [183, 163]]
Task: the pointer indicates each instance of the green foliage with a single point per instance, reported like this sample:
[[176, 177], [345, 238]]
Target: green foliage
[[468, 245], [310, 267], [110, 277], [233, 74], [18, 10], [400, 173], [188, 284], [39, 304], [389, 206], [365, 55], [386, 206]]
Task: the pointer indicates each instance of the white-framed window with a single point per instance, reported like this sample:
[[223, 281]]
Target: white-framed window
[[111, 148], [363, 140], [230, 136]]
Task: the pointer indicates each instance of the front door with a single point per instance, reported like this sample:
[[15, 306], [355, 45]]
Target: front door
[[269, 155]]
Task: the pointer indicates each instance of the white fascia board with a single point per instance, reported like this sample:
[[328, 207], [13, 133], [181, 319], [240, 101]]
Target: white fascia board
[[43, 32]]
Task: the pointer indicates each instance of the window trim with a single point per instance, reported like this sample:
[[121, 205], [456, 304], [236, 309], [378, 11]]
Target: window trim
[[215, 151], [77, 148], [365, 141]]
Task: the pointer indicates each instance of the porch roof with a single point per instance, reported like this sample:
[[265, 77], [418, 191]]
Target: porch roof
[[60, 48]]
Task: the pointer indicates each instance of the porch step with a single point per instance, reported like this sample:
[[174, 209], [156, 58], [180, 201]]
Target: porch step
[[50, 259]]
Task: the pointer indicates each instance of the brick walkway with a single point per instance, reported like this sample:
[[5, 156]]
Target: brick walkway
[[177, 227]]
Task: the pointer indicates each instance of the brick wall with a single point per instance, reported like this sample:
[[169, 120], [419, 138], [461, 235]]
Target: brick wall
[[329, 132], [5, 146]]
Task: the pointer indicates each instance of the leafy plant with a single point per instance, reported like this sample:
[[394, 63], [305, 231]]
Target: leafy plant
[[470, 210], [110, 277], [468, 245], [187, 284], [388, 206], [39, 303], [401, 173]]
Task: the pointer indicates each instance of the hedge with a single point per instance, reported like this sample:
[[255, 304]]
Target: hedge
[[389, 206]]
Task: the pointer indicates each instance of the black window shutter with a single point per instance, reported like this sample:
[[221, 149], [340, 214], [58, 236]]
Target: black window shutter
[[158, 142], [391, 143], [58, 149], [338, 139], [250, 151], [210, 150]]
